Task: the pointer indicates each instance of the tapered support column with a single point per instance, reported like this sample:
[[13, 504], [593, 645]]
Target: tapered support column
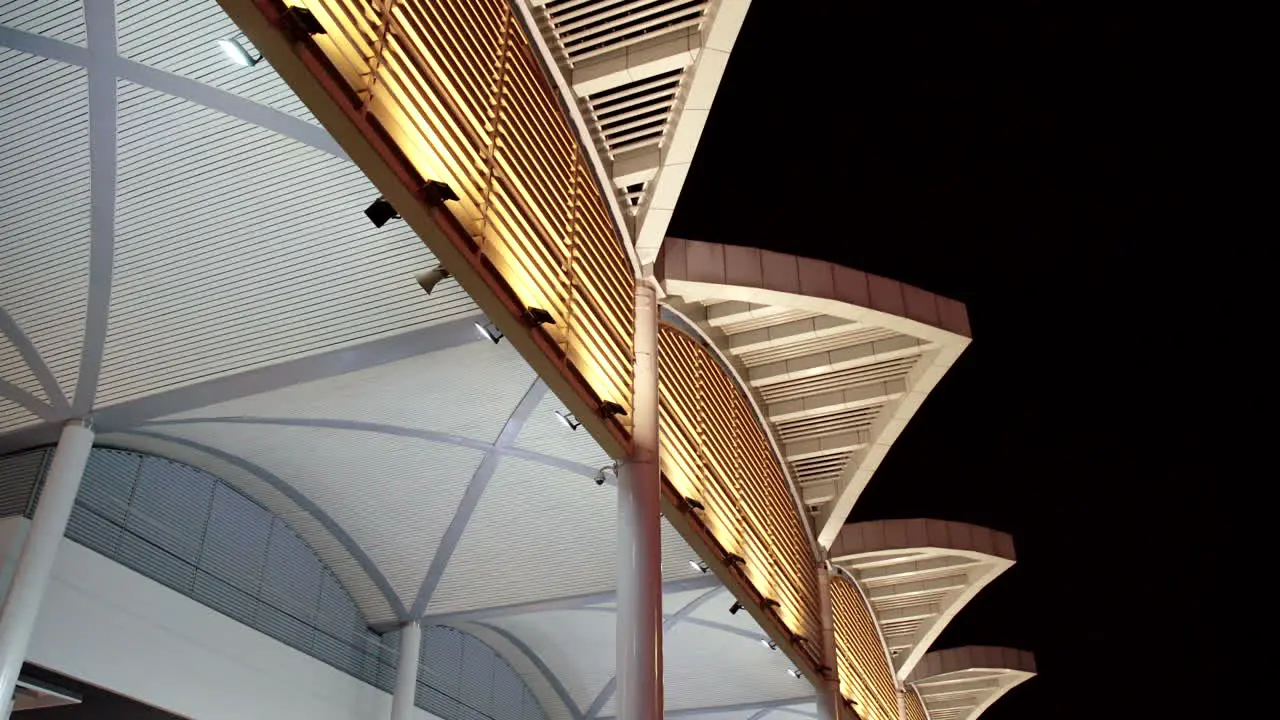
[[406, 690], [22, 603], [902, 705], [829, 691], [639, 619]]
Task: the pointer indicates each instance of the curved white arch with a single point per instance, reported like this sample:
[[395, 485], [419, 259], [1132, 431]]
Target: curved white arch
[[963, 682]]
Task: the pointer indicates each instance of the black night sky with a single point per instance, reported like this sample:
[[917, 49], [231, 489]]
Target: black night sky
[[1011, 157]]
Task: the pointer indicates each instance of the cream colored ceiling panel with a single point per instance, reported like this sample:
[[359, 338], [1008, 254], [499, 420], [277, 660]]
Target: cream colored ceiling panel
[[59, 19], [578, 646], [545, 432], [708, 667], [336, 556], [394, 496], [469, 390], [14, 416], [545, 532], [237, 248], [44, 208], [182, 38]]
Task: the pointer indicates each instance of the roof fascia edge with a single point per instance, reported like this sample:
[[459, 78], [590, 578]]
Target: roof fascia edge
[[569, 103], [1018, 676]]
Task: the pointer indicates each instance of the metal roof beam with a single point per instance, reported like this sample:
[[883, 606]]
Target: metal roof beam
[[789, 332], [919, 587], [861, 396], [958, 688], [845, 358], [903, 570], [840, 442]]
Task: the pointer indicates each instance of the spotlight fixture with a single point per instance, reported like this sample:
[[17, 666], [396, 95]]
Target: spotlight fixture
[[303, 20], [735, 607], [568, 419], [769, 643], [771, 603], [236, 52], [380, 212], [436, 192], [609, 408], [795, 673], [732, 560], [602, 474], [538, 316], [489, 331], [429, 279], [695, 504], [699, 566]]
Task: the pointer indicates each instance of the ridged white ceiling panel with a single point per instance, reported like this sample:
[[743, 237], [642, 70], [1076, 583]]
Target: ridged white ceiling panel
[[182, 38], [16, 371], [237, 248], [58, 19], [718, 612], [336, 557], [44, 208], [550, 531], [577, 645], [394, 496], [672, 602], [470, 390], [707, 667], [544, 432], [14, 416]]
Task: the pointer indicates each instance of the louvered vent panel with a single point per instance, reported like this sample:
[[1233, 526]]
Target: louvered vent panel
[[292, 578], [18, 475], [235, 547], [635, 115], [882, 371], [856, 335], [156, 563], [170, 507]]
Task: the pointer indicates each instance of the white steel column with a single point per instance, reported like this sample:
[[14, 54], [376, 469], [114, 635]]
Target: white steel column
[[22, 603], [902, 705], [406, 690], [829, 690], [639, 619]]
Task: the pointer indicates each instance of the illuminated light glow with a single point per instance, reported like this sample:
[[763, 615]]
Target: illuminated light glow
[[866, 679], [237, 54]]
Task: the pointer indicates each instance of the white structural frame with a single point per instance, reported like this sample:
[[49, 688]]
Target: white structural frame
[[961, 683], [22, 602], [945, 563]]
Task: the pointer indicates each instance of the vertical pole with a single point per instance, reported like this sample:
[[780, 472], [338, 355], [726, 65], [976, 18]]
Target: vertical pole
[[22, 603], [902, 705], [639, 619], [829, 691], [406, 690]]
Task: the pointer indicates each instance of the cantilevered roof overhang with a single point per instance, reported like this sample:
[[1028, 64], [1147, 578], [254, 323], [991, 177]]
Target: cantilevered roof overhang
[[837, 360], [918, 574], [961, 683]]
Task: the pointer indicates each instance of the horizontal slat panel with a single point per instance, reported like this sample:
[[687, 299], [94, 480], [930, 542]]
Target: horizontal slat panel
[[713, 450], [458, 89], [865, 676]]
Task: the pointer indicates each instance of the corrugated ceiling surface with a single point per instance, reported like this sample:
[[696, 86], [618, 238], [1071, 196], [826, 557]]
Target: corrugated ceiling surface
[[237, 248], [14, 370], [553, 531], [182, 38], [544, 430], [393, 497], [59, 19], [335, 556], [578, 646], [44, 209], [706, 667], [14, 416], [469, 390]]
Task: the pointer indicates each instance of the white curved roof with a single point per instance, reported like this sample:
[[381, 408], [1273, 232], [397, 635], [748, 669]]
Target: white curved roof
[[639, 79], [837, 360], [918, 574], [186, 258], [961, 683]]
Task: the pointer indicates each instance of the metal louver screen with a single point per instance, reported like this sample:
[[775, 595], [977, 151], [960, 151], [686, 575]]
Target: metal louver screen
[[455, 88], [915, 707], [18, 475], [866, 679], [714, 451], [463, 678]]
